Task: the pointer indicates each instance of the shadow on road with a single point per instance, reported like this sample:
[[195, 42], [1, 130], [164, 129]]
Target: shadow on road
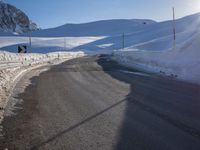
[[157, 109], [153, 107], [160, 112]]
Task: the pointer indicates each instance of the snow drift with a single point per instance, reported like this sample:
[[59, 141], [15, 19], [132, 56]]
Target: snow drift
[[182, 62]]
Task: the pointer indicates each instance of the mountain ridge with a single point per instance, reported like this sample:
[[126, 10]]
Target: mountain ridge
[[97, 28], [14, 20]]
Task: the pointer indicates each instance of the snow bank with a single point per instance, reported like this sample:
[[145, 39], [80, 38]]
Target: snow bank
[[14, 65], [182, 63]]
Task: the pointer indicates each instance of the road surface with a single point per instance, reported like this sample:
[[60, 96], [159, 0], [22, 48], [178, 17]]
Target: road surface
[[93, 103]]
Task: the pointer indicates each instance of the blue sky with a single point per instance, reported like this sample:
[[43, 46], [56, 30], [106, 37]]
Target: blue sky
[[52, 13]]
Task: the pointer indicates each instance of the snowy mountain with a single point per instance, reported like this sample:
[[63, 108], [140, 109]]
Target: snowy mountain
[[13, 20], [154, 37], [107, 35], [98, 28], [139, 34], [148, 45]]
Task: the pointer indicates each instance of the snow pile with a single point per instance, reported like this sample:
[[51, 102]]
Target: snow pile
[[14, 65], [182, 62]]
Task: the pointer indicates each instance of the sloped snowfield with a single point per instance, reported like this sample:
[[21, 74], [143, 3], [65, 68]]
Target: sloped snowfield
[[182, 62], [156, 52]]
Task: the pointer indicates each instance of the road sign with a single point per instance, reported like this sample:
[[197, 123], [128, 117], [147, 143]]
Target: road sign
[[22, 49]]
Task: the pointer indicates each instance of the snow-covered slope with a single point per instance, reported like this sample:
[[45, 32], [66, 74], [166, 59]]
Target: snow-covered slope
[[154, 37], [3, 33], [138, 35], [182, 62], [13, 20], [98, 28]]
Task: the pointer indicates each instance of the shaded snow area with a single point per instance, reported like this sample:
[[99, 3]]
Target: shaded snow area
[[44, 45], [12, 66]]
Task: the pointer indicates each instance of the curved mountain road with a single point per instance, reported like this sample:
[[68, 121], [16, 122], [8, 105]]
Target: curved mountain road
[[93, 103]]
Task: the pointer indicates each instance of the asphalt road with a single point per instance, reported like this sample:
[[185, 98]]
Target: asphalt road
[[93, 103]]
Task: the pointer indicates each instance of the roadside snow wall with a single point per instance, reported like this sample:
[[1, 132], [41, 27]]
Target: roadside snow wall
[[14, 65], [182, 63]]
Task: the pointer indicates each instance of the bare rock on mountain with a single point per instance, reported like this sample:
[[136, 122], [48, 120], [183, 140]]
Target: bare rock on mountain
[[14, 20]]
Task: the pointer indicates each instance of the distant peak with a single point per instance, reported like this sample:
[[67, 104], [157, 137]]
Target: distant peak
[[14, 20]]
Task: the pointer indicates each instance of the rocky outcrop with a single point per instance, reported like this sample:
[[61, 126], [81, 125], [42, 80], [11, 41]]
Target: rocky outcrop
[[14, 20]]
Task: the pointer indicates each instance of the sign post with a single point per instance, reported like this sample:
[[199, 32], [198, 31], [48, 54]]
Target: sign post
[[30, 43], [123, 42], [174, 29]]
